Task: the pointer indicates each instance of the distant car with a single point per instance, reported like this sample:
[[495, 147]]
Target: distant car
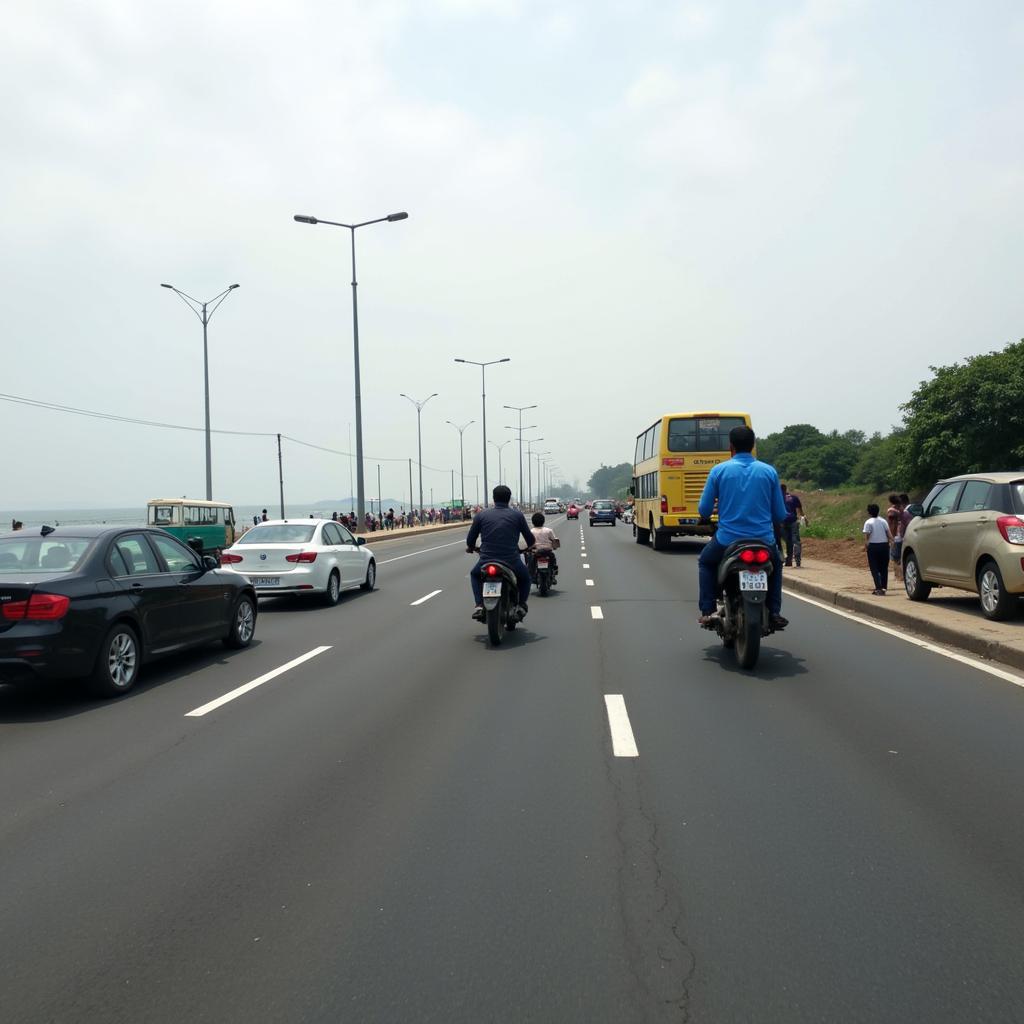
[[551, 508], [98, 602], [602, 512], [302, 556], [572, 512], [969, 535]]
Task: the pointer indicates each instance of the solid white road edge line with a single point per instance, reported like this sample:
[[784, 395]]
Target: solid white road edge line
[[623, 743], [214, 704], [595, 612], [423, 600], [964, 659]]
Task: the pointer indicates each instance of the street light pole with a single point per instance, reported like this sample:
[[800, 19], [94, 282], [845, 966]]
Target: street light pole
[[205, 310], [391, 217], [462, 463], [529, 466], [495, 444], [483, 403], [419, 438], [520, 409]]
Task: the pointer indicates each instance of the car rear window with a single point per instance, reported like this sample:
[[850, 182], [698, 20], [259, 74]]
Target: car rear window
[[41, 554], [604, 505], [279, 533], [1017, 490]]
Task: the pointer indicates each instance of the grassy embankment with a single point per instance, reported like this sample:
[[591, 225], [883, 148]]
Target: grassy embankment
[[835, 519]]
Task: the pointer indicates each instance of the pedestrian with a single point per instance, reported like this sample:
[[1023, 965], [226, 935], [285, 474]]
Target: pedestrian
[[16, 524], [877, 541], [892, 519], [264, 515], [791, 526], [255, 520]]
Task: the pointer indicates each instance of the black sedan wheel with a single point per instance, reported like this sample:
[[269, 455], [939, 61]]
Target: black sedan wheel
[[118, 663], [243, 623]]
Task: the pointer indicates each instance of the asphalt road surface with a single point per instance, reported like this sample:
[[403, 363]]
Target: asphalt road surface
[[410, 826]]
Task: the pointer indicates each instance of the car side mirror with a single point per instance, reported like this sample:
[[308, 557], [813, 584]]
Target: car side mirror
[[360, 540], [209, 562], [915, 510]]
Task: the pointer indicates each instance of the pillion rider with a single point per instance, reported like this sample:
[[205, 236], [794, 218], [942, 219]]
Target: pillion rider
[[749, 507], [499, 529]]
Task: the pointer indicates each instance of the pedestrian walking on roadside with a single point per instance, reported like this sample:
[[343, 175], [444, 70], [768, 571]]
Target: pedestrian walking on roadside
[[893, 514], [791, 526], [877, 542]]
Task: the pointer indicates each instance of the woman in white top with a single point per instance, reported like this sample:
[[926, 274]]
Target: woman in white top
[[877, 538]]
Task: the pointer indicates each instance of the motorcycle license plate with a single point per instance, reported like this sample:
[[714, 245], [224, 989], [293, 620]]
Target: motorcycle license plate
[[492, 588], [753, 580], [542, 563]]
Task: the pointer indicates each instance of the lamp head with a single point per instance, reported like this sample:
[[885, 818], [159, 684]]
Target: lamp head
[[304, 219], [398, 216]]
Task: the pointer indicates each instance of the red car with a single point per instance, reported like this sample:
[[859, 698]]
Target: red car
[[572, 512]]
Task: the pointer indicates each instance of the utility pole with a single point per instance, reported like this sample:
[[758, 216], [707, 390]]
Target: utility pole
[[280, 473]]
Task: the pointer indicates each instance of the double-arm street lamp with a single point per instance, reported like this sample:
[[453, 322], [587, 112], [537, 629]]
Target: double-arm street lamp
[[419, 440], [205, 310], [541, 487], [494, 444], [521, 409], [483, 401], [530, 441], [462, 463], [304, 219]]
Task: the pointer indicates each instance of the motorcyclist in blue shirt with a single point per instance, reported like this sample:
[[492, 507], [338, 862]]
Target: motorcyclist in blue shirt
[[749, 507], [499, 529]]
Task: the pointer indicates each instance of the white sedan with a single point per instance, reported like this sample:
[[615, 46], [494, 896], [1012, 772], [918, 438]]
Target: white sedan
[[302, 556]]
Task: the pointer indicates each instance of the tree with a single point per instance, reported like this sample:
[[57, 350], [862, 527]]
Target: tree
[[969, 418], [611, 481], [794, 438], [877, 462]]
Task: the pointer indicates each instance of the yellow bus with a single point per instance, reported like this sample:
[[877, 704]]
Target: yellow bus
[[671, 462]]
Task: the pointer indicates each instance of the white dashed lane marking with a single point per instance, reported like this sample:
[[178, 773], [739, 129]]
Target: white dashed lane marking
[[595, 612], [623, 742], [423, 600]]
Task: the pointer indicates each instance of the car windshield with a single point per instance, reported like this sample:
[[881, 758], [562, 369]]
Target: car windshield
[[279, 533], [41, 554]]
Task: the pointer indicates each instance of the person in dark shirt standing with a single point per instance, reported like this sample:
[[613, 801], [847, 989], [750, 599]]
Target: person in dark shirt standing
[[791, 526], [499, 528]]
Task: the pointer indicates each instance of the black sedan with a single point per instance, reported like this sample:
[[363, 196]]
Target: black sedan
[[98, 601]]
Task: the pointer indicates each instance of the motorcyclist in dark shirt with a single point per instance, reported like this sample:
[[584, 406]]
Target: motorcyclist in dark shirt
[[499, 528]]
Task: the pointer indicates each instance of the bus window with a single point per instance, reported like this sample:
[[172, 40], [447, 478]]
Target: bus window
[[162, 515]]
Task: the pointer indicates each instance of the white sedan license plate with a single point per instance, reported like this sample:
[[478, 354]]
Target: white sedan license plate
[[492, 588], [753, 580], [265, 581]]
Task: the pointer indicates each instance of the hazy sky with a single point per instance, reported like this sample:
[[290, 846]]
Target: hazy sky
[[788, 208]]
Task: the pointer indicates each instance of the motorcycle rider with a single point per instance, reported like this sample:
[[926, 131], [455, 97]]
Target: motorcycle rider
[[544, 539], [749, 507], [499, 528]]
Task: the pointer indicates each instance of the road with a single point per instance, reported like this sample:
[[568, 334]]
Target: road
[[410, 826]]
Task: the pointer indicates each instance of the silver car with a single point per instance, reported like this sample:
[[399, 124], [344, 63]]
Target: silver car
[[969, 534]]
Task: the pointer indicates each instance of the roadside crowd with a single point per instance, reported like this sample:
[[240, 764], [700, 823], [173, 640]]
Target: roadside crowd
[[392, 520]]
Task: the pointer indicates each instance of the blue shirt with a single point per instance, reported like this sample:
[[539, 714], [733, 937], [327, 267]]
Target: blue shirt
[[499, 529], [749, 499]]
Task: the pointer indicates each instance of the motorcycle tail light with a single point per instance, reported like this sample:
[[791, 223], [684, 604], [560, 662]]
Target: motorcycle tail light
[[747, 556], [761, 556], [492, 570]]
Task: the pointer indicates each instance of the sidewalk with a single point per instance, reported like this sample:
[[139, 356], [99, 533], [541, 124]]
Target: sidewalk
[[400, 533], [950, 617]]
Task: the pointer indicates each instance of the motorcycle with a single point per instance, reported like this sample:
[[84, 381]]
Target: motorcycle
[[742, 618], [542, 571], [501, 600]]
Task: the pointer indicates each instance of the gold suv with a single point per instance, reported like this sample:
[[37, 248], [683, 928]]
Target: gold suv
[[969, 533]]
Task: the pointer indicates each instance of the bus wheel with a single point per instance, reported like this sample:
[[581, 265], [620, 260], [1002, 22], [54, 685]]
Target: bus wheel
[[639, 535], [659, 541]]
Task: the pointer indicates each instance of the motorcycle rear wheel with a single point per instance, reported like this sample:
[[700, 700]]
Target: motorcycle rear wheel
[[496, 624], [544, 584], [748, 640]]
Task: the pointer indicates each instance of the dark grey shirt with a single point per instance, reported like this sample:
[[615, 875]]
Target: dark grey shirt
[[499, 529]]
